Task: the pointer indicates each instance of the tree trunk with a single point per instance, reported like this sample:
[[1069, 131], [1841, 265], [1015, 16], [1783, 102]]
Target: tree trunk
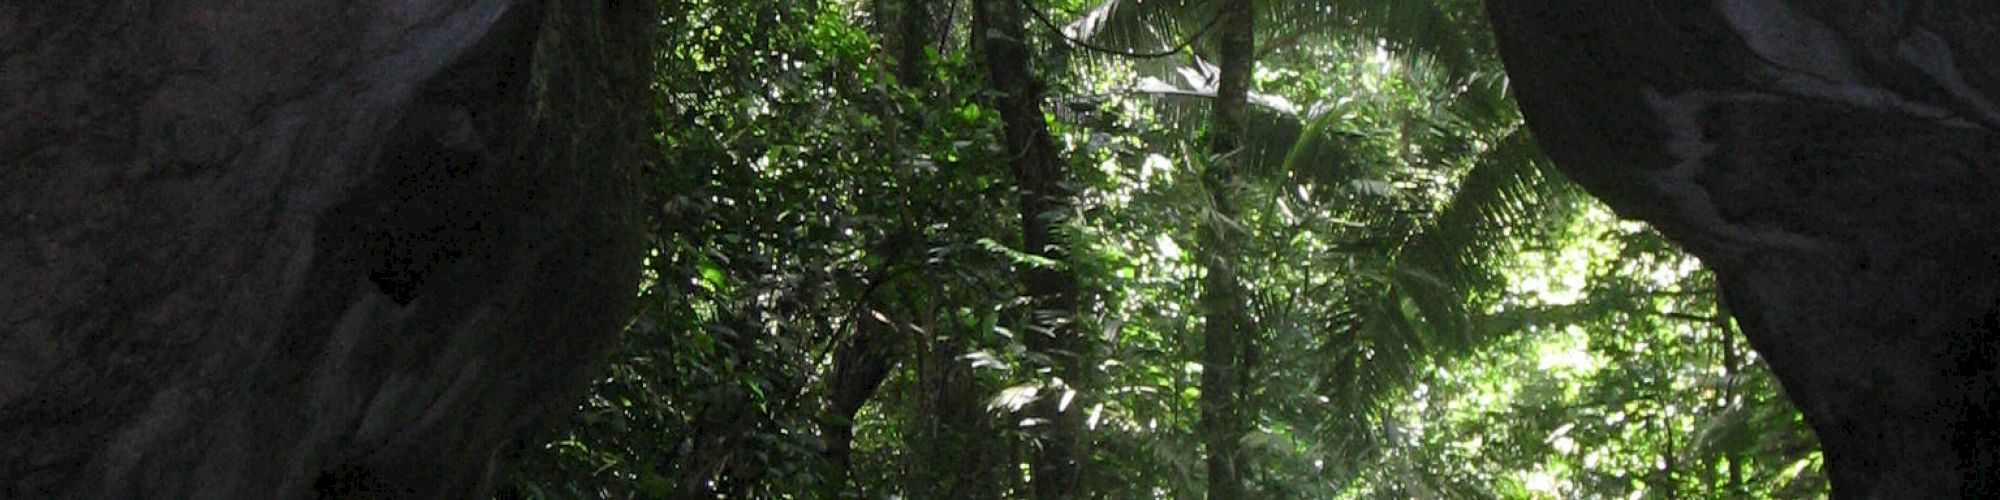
[[860, 364], [1046, 200], [276, 249], [1732, 366], [1226, 324], [1834, 163], [961, 450]]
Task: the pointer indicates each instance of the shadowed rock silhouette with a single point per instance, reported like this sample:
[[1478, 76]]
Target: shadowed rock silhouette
[[287, 249], [1835, 163]]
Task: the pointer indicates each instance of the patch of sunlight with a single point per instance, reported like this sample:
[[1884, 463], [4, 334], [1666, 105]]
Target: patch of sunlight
[[1564, 445], [1110, 166], [1560, 440], [1559, 275], [1386, 64], [1665, 277], [1542, 484], [1168, 249], [1014, 398], [1155, 164], [1567, 352]]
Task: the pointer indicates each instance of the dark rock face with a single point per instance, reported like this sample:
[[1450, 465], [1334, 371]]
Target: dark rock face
[[1838, 164], [310, 247]]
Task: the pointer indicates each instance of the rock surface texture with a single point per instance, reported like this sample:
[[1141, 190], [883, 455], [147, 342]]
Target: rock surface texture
[[1837, 163], [306, 248]]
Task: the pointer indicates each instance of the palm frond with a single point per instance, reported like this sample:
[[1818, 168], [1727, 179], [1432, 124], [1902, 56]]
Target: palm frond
[[1506, 200], [1427, 306], [1139, 26]]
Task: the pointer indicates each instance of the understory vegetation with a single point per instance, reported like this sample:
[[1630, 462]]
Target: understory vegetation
[[1143, 249]]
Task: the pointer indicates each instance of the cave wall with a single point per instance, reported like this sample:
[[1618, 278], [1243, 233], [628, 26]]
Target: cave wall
[[1837, 164], [307, 248]]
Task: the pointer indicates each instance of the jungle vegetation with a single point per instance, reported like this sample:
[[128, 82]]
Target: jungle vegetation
[[1143, 249]]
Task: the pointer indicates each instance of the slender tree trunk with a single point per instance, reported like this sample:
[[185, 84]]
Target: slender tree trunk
[[1226, 327], [958, 448], [1046, 200], [1731, 364], [860, 364], [279, 249], [914, 26], [863, 361], [967, 462], [963, 451], [1669, 461]]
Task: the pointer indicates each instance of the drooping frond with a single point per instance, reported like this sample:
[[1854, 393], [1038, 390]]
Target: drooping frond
[[1140, 26], [1427, 304], [1507, 199]]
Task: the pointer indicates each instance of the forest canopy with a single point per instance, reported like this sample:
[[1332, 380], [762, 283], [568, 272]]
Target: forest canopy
[[1143, 249]]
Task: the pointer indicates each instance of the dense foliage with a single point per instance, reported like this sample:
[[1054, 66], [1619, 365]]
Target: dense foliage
[[846, 297]]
